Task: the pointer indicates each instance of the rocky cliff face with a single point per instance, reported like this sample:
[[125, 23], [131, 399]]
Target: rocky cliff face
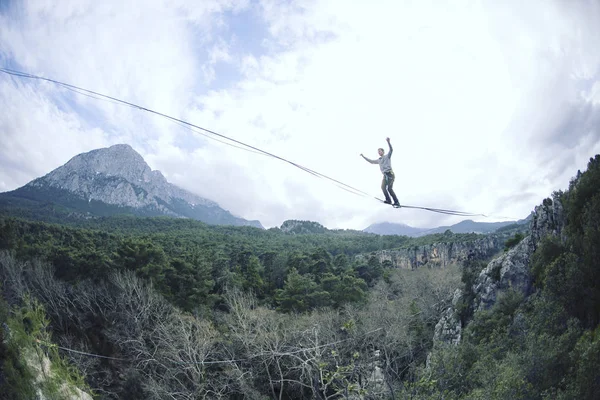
[[449, 328], [440, 254], [44, 377], [116, 175], [510, 270], [119, 176]]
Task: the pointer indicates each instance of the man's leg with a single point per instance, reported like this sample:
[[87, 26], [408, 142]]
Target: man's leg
[[383, 188], [390, 182]]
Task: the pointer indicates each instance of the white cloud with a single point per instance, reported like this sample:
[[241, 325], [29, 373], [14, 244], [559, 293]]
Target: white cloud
[[31, 146], [487, 104]]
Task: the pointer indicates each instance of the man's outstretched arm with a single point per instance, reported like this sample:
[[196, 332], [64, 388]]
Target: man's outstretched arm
[[389, 144], [369, 160]]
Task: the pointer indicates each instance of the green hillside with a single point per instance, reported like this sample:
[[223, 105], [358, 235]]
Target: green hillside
[[174, 308]]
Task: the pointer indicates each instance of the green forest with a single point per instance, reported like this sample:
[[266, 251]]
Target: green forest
[[163, 308]]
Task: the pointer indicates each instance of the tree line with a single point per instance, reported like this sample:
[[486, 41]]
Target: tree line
[[181, 310]]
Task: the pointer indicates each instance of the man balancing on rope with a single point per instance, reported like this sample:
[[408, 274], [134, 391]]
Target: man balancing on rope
[[385, 164]]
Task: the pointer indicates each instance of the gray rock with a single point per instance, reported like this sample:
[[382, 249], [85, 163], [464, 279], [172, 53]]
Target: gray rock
[[119, 176], [116, 175], [439, 254], [449, 328], [511, 270], [41, 368], [548, 219]]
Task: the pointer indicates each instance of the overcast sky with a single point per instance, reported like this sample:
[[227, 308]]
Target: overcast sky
[[490, 106]]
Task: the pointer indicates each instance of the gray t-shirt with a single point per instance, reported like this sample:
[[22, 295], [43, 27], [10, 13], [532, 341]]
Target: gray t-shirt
[[385, 162]]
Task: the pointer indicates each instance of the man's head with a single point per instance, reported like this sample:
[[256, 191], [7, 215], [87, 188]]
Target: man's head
[[380, 151]]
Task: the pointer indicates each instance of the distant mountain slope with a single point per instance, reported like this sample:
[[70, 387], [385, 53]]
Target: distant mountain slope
[[467, 226], [389, 228], [110, 181]]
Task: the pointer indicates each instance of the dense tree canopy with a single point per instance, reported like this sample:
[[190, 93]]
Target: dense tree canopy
[[181, 309]]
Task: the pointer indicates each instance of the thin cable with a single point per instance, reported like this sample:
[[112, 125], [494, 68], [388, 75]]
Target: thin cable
[[66, 85], [79, 352], [189, 128], [216, 361], [323, 345], [25, 75], [89, 95], [449, 212], [192, 129], [340, 184], [439, 210], [90, 354]]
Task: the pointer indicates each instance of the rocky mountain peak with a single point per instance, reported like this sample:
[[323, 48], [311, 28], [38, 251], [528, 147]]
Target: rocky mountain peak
[[119, 160], [115, 175], [119, 176]]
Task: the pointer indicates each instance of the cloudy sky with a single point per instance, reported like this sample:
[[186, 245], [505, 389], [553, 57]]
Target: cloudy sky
[[490, 106]]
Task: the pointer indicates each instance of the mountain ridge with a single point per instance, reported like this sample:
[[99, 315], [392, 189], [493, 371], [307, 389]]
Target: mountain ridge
[[117, 180], [465, 226]]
